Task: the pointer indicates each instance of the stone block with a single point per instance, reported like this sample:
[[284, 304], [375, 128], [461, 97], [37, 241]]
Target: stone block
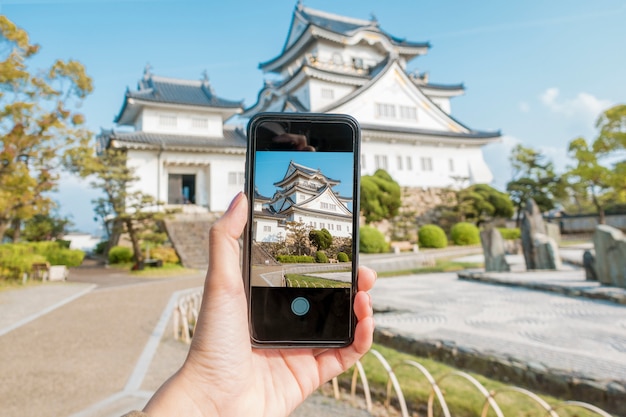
[[610, 248], [58, 273], [494, 250], [540, 250]]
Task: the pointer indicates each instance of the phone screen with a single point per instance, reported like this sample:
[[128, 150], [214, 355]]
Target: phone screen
[[300, 244]]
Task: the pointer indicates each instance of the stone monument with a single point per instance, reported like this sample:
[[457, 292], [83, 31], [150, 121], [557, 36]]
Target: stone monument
[[610, 260], [494, 249], [540, 250]]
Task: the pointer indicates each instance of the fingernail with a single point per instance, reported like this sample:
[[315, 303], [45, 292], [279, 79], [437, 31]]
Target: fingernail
[[235, 201]]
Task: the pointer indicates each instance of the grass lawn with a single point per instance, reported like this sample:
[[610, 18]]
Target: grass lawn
[[463, 399], [307, 281], [12, 284], [166, 271], [442, 265]]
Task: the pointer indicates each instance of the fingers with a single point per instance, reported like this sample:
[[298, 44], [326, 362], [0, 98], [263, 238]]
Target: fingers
[[332, 362], [366, 278], [224, 244]]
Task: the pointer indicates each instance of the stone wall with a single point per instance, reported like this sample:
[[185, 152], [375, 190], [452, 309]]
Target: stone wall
[[418, 208], [588, 223]]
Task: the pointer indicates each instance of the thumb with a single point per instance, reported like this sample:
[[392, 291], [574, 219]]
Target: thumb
[[224, 270]]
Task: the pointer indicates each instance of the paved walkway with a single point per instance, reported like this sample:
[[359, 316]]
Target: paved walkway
[[100, 344]]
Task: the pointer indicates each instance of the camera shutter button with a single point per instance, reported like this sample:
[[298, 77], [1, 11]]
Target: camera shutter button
[[300, 306]]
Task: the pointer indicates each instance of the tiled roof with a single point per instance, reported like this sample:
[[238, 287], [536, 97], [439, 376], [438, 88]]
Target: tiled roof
[[347, 26], [233, 138], [176, 91], [472, 134]]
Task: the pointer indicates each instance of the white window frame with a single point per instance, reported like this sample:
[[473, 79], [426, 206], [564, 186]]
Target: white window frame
[[385, 110]]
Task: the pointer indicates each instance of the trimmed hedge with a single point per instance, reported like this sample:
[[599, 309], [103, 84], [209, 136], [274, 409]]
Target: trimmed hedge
[[18, 258], [371, 240], [165, 254], [510, 234], [295, 259], [120, 255], [464, 234], [320, 257], [343, 257], [432, 236]]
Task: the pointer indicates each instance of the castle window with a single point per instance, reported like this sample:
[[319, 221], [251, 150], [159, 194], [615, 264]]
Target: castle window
[[358, 63], [408, 112], [236, 178], [409, 163], [200, 123], [337, 59], [400, 163], [451, 164], [167, 120], [427, 163], [380, 161], [267, 228], [385, 110], [328, 93]]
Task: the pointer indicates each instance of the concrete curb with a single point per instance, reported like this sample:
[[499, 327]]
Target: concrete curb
[[587, 289]]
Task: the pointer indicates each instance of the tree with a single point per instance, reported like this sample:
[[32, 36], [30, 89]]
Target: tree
[[533, 177], [42, 227], [38, 123], [480, 202], [297, 237], [121, 209], [599, 169], [321, 239], [380, 196]]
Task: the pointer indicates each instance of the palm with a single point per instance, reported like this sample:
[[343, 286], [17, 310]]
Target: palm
[[223, 375]]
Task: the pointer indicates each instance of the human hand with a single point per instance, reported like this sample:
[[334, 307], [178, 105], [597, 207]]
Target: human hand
[[223, 375]]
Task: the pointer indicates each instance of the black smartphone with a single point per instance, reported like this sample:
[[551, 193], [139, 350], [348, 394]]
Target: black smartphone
[[300, 251]]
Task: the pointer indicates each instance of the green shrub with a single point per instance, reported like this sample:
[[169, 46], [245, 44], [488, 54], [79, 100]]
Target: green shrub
[[17, 259], [100, 247], [295, 259], [67, 257], [510, 234], [432, 236], [343, 257], [120, 254], [57, 252], [165, 254], [320, 257], [371, 240], [464, 233], [64, 243]]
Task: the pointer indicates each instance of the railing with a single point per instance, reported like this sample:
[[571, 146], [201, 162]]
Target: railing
[[186, 315], [437, 396]]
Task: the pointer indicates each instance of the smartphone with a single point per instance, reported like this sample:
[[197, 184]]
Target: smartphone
[[300, 252]]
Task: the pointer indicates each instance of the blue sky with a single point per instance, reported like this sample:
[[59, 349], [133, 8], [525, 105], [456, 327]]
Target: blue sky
[[273, 165], [539, 71]]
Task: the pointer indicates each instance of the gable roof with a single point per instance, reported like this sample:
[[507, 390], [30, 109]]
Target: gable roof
[[295, 170], [309, 24], [164, 90]]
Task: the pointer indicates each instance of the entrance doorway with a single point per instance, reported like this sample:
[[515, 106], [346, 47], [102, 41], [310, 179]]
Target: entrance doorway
[[181, 189]]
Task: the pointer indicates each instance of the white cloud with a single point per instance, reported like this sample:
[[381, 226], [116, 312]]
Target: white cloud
[[584, 107], [524, 107]]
